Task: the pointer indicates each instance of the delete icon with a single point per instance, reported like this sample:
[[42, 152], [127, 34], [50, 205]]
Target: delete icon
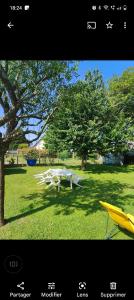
[[91, 25], [26, 7]]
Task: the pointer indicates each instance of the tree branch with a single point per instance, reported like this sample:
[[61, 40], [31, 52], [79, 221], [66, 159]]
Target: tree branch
[[6, 66], [37, 135], [34, 124], [8, 85], [37, 83], [12, 136], [11, 114], [2, 103], [33, 116], [18, 133]]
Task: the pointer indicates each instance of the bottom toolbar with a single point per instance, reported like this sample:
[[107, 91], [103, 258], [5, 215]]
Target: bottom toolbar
[[40, 270], [67, 290]]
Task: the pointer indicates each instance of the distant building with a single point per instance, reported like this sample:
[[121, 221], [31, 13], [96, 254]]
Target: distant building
[[113, 159], [40, 145], [120, 159]]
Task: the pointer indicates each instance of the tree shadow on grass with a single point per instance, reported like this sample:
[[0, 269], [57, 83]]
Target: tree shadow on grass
[[99, 169], [26, 213], [17, 170], [49, 165], [85, 199]]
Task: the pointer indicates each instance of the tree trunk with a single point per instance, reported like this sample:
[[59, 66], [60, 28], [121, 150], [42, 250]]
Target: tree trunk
[[2, 189], [83, 162]]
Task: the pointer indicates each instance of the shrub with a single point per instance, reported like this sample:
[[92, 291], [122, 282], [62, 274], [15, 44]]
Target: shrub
[[43, 152], [32, 154], [64, 155], [23, 146], [11, 161]]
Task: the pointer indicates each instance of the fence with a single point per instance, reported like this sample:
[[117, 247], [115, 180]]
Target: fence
[[15, 157]]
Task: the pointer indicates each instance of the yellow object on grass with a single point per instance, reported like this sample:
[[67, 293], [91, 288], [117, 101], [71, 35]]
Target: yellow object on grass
[[119, 217]]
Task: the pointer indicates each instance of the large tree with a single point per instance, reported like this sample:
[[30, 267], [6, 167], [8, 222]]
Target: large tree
[[28, 90], [121, 93], [121, 99], [79, 120], [87, 120]]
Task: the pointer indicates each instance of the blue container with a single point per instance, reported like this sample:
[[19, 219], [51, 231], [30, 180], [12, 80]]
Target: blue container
[[31, 162]]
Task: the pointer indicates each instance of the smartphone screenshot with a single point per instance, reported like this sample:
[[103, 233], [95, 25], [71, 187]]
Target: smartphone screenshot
[[66, 149]]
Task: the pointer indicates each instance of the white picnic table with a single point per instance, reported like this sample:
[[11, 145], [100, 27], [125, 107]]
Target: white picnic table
[[54, 177]]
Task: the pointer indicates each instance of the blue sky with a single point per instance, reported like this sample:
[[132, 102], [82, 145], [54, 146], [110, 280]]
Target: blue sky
[[108, 68]]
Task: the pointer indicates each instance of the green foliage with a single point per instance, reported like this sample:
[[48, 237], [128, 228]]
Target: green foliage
[[121, 93], [64, 155], [13, 146], [121, 114], [32, 154], [78, 123], [32, 86], [92, 119], [42, 152], [51, 141], [23, 146], [11, 161]]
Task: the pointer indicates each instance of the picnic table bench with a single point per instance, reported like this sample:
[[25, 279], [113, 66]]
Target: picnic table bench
[[54, 177]]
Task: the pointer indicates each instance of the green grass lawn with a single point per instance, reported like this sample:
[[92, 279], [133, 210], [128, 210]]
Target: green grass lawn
[[35, 212]]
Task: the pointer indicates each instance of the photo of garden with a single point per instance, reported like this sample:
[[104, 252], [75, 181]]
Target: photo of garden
[[66, 150]]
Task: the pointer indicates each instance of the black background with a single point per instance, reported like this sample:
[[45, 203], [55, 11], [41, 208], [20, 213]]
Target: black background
[[67, 263], [57, 30]]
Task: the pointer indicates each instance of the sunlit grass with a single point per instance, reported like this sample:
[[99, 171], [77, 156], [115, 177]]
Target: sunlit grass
[[35, 212]]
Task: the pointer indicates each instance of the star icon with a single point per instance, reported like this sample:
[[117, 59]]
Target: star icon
[[109, 25]]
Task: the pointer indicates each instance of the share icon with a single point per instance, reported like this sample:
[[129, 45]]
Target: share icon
[[21, 286]]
